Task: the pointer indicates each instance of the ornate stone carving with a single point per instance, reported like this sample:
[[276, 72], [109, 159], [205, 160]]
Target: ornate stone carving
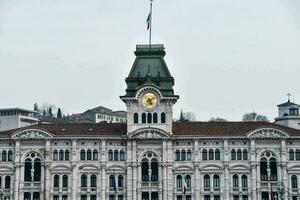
[[31, 134], [149, 133], [267, 133]]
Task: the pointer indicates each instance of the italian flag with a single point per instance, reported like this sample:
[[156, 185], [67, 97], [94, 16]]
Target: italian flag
[[149, 18]]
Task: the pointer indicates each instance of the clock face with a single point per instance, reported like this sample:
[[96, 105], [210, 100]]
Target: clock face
[[149, 100]]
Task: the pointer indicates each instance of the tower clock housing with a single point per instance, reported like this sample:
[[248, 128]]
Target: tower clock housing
[[149, 95]]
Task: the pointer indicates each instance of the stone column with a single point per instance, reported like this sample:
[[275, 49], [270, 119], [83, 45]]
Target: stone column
[[253, 169], [163, 179], [129, 170], [258, 185], [74, 170], [170, 175], [134, 171], [226, 170], [196, 170], [103, 167], [284, 166], [47, 170], [17, 169]]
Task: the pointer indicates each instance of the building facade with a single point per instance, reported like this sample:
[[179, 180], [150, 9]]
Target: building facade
[[150, 157], [12, 118]]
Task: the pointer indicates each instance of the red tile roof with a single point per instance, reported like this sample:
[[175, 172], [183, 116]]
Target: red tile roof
[[205, 129]]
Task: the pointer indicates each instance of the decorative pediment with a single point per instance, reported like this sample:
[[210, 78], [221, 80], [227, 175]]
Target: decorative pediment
[[267, 133], [31, 134], [149, 133]]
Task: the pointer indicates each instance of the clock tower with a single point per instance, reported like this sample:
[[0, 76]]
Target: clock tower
[[149, 95]]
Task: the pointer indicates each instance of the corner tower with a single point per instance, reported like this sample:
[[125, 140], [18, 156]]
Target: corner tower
[[149, 95]]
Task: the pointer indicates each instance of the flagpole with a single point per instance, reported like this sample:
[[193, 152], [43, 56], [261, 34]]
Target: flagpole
[[150, 33]]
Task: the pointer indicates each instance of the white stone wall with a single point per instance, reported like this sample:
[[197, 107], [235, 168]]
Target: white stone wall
[[168, 168]]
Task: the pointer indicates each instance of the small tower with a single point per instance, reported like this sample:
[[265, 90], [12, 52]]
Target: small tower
[[149, 95], [288, 114]]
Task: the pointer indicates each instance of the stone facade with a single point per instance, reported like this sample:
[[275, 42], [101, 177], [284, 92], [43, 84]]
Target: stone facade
[[150, 157]]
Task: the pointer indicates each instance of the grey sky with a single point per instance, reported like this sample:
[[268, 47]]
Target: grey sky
[[227, 57]]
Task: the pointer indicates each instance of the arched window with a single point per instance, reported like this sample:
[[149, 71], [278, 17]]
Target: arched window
[[217, 154], [233, 154], [61, 155], [179, 181], [239, 154], [273, 167], [116, 155], [294, 181], [136, 118], [83, 180], [144, 118], [206, 180], [65, 197], [27, 172], [291, 154], [183, 155], [211, 154], [65, 181], [122, 155], [204, 154], [189, 154], [4, 156], [89, 154], [235, 181], [154, 118], [93, 180], [55, 155], [95, 154], [112, 182], [179, 197], [149, 118], [145, 168], [154, 169], [163, 118], [82, 154], [37, 170], [120, 181], [244, 181], [177, 155], [67, 154], [188, 197], [7, 182], [188, 181], [10, 155], [245, 154], [297, 154], [263, 170], [56, 181], [216, 181], [110, 155]]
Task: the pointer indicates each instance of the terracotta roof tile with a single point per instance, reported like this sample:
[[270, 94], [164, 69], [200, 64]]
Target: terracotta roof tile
[[205, 129]]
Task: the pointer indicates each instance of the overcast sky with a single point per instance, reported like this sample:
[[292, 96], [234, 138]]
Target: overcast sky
[[227, 57]]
